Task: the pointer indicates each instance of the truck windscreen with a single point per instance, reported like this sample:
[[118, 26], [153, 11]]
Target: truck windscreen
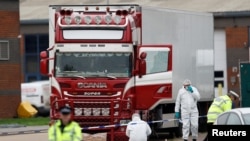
[[94, 64]]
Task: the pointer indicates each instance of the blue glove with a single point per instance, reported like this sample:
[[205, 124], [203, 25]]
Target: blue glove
[[189, 88], [177, 115]]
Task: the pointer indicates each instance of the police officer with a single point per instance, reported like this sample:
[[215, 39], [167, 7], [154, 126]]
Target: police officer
[[220, 104], [65, 129]]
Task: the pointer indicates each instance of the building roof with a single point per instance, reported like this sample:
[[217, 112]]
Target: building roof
[[38, 9]]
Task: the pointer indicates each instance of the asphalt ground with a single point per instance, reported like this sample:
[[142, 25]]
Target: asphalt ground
[[39, 133], [23, 130]]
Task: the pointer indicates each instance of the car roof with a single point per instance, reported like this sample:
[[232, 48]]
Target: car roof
[[245, 110], [41, 81]]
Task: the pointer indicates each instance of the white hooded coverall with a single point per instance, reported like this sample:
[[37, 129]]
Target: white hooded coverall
[[189, 111], [137, 129]]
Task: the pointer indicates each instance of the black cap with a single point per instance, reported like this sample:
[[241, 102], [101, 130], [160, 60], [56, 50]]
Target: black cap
[[65, 110]]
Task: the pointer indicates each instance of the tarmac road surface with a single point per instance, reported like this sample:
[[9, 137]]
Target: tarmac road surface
[[162, 138], [40, 134], [44, 137], [26, 137]]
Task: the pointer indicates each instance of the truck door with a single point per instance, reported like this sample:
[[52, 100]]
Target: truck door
[[153, 86], [245, 84]]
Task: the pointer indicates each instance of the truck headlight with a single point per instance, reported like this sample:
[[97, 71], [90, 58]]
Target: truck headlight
[[78, 111], [67, 19], [105, 111], [96, 111], [87, 111], [87, 19], [98, 19], [117, 19], [108, 19], [78, 19]]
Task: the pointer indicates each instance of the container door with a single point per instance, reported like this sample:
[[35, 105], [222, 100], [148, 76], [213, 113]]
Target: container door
[[153, 85], [245, 84]]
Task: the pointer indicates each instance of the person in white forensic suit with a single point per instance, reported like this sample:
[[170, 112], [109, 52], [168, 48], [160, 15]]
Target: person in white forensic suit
[[137, 129], [186, 101]]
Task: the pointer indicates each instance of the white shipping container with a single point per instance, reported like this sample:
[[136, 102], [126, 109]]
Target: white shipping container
[[192, 36]]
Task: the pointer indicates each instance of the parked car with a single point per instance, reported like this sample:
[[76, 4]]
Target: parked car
[[238, 116]]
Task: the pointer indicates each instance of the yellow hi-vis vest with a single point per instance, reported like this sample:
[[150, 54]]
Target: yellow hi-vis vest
[[71, 132], [220, 104]]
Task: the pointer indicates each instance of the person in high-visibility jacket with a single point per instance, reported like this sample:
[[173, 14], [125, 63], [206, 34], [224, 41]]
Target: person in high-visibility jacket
[[220, 104], [65, 129]]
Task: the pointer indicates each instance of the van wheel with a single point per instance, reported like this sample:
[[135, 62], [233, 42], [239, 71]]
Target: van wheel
[[43, 112]]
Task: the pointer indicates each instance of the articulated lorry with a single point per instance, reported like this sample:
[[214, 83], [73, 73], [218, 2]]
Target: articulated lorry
[[109, 61]]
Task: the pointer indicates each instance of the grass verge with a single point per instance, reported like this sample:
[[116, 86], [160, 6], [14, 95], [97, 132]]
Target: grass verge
[[26, 121]]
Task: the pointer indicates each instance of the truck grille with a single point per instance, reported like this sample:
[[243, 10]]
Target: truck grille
[[89, 114], [90, 122], [93, 112], [92, 104], [95, 109]]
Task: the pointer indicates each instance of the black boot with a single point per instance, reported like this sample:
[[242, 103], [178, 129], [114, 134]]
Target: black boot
[[185, 140], [194, 139]]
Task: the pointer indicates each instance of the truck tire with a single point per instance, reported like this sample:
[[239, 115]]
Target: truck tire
[[202, 107], [202, 125], [178, 131], [158, 116]]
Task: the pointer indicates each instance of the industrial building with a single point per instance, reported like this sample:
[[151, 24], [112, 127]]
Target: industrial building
[[10, 58], [231, 24]]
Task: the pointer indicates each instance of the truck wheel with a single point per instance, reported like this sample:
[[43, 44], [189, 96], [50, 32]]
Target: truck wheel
[[178, 131], [202, 107], [202, 125], [158, 111]]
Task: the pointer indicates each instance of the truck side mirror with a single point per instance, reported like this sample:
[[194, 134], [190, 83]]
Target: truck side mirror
[[44, 63], [142, 64]]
